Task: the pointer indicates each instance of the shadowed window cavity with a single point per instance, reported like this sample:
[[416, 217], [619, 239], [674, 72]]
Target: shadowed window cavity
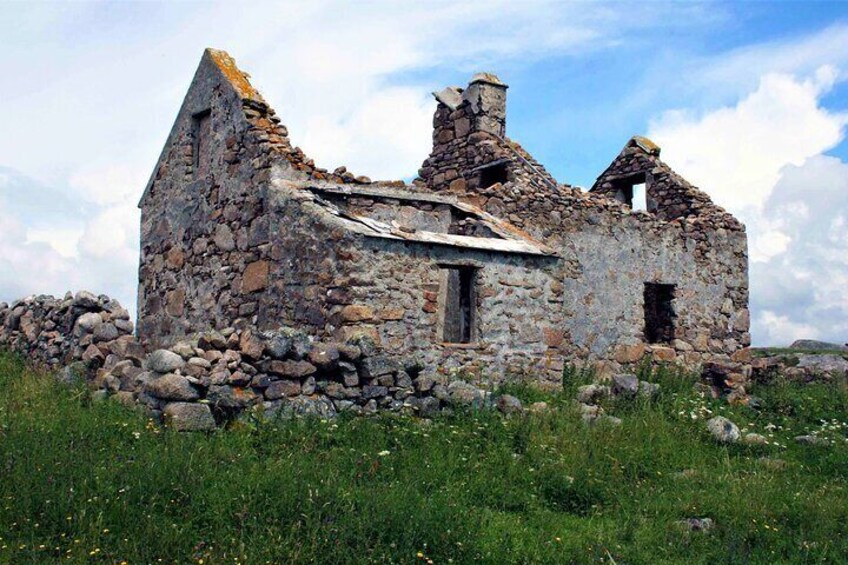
[[202, 134], [493, 174], [659, 312], [460, 305]]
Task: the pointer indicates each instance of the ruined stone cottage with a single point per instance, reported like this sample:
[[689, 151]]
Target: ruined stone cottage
[[484, 262]]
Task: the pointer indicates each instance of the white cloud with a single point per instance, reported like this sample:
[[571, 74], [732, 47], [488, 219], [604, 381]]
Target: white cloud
[[63, 241], [110, 184], [768, 243], [50, 246], [379, 151], [737, 152], [783, 331], [28, 267], [111, 232]]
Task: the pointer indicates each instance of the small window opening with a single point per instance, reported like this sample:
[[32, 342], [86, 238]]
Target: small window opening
[[639, 199], [659, 312], [493, 174], [633, 191], [202, 134], [460, 305]]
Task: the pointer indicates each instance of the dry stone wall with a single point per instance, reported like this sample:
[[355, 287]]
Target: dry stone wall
[[56, 331], [214, 377]]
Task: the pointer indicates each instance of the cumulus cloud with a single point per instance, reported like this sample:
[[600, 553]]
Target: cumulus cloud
[[762, 158], [738, 151], [806, 286], [782, 330], [52, 242]]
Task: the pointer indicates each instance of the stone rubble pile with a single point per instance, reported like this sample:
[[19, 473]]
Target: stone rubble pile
[[53, 331], [621, 386], [210, 378]]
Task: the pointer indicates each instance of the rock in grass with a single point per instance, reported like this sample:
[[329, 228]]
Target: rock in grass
[[538, 407], [723, 430], [648, 390], [824, 364], [466, 394], [99, 395], [508, 404], [428, 407], [188, 417], [164, 361], [610, 420], [625, 385], [754, 439], [591, 393], [697, 524], [590, 412], [811, 440], [772, 464], [72, 374]]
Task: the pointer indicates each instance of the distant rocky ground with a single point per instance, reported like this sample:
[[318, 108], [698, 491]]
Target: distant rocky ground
[[804, 359], [813, 345]]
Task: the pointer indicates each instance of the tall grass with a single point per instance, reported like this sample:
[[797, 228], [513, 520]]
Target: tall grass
[[87, 482]]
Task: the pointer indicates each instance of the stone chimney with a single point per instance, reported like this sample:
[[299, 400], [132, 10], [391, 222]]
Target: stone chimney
[[486, 96], [457, 155]]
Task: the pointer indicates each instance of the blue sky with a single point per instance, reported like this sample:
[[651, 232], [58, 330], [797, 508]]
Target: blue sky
[[748, 100]]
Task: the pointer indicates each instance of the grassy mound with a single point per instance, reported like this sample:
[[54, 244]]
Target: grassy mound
[[92, 483]]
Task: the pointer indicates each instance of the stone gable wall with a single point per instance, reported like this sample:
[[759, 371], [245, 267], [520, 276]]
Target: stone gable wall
[[459, 151], [670, 195], [206, 252]]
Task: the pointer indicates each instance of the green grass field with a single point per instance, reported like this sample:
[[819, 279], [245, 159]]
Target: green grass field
[[98, 483]]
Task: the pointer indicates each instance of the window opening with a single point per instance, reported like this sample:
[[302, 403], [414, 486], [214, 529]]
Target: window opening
[[493, 174], [659, 312], [632, 191], [202, 134], [460, 305], [639, 198]]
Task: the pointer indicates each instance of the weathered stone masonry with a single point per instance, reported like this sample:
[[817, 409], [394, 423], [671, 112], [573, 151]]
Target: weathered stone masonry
[[240, 228], [211, 378]]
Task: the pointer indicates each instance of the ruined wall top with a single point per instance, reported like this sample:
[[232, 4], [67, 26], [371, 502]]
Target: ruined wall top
[[668, 195], [253, 127]]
